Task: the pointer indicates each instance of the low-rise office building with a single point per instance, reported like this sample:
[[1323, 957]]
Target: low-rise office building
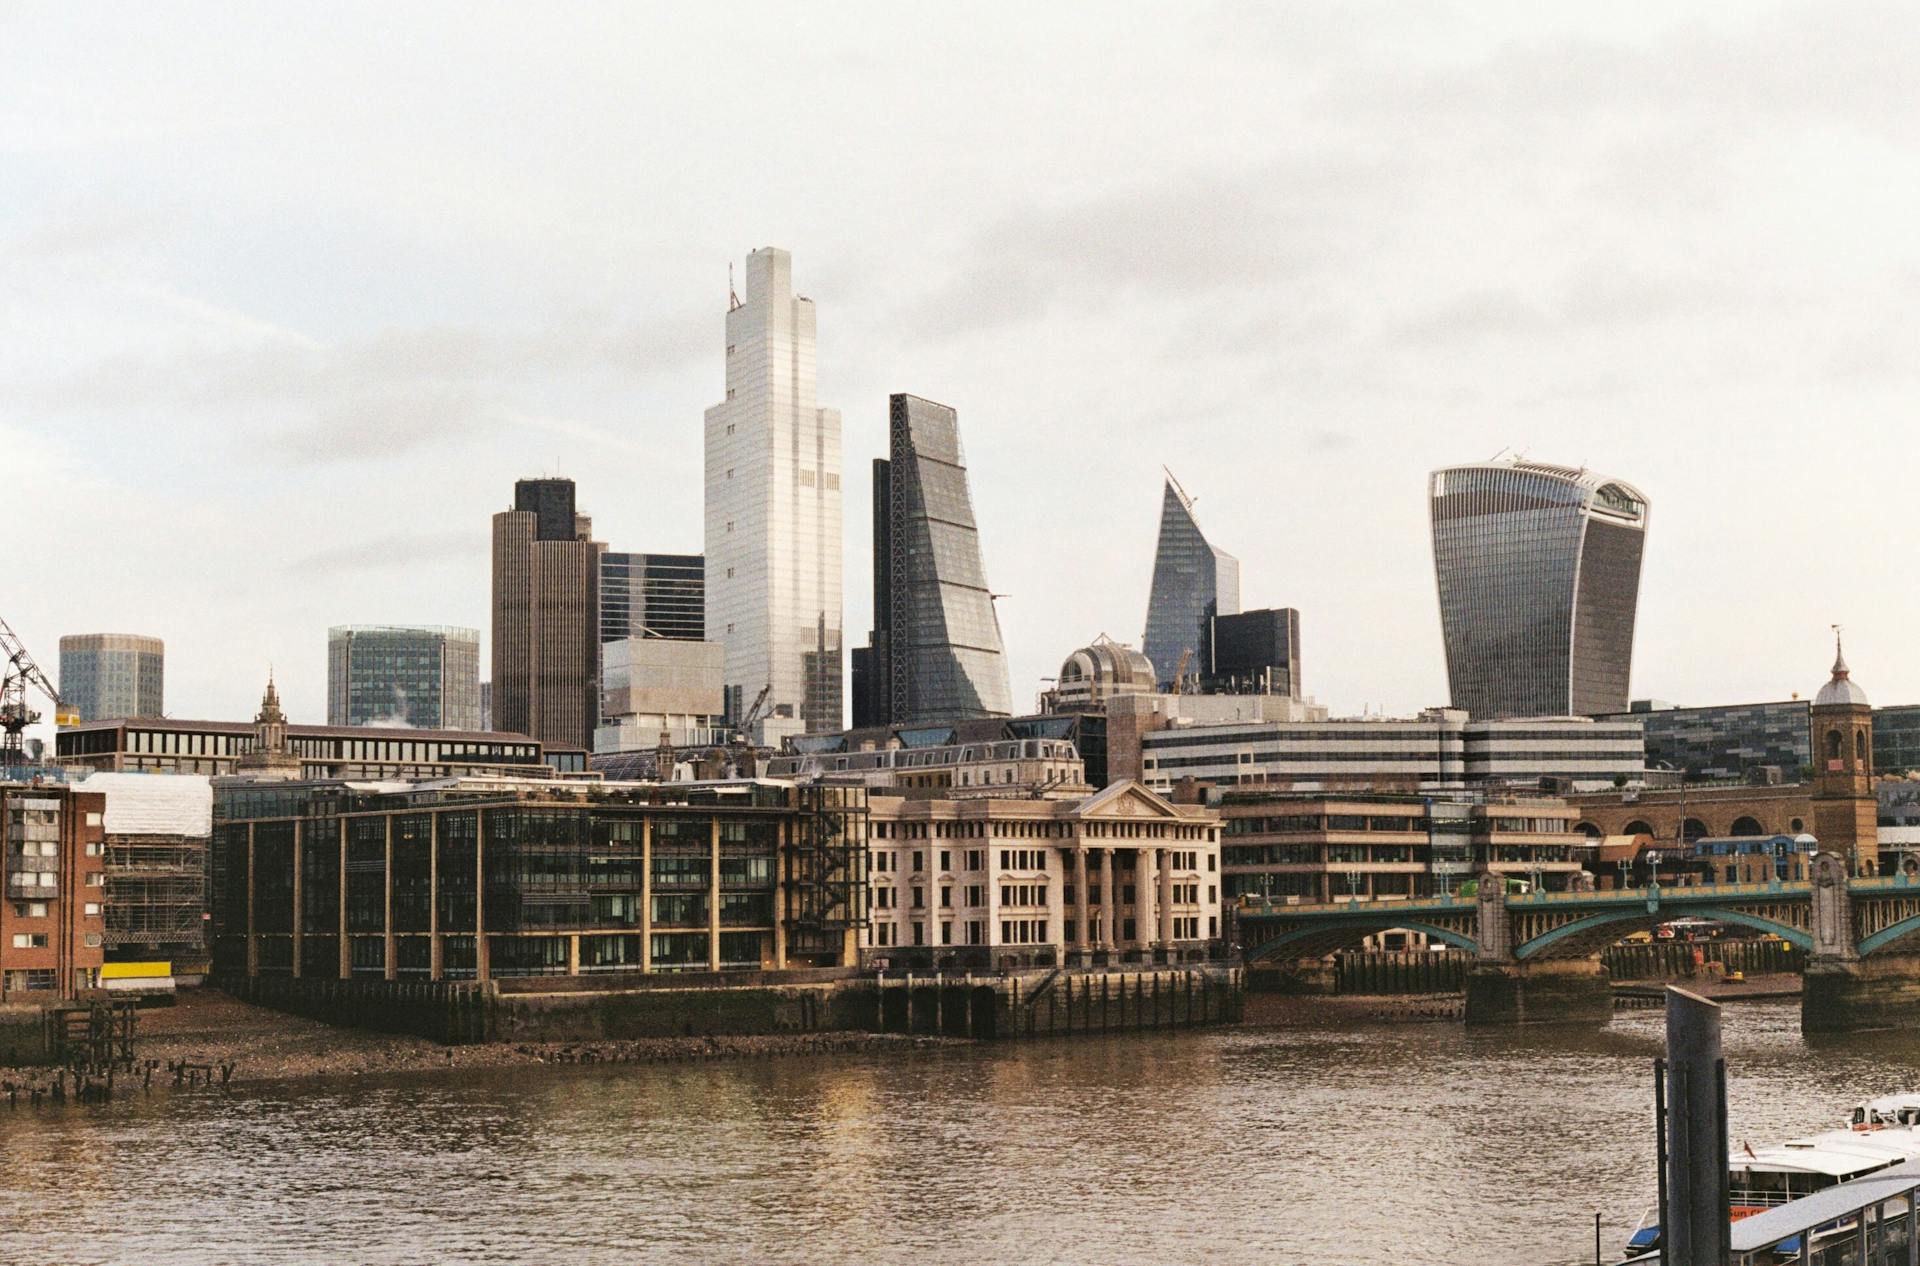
[[1747, 742], [651, 685], [1121, 875], [1442, 748], [1314, 847], [484, 877], [163, 745], [53, 921]]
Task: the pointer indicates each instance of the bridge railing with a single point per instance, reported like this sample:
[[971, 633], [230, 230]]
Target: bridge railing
[[1771, 888], [1444, 903]]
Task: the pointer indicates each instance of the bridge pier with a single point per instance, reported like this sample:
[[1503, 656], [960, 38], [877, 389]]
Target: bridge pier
[[1840, 995], [1547, 991]]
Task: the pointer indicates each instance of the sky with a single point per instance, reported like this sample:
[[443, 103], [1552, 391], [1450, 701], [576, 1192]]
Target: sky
[[290, 295]]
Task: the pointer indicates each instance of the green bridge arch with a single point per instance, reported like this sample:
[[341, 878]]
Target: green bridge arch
[[1889, 935], [1579, 930]]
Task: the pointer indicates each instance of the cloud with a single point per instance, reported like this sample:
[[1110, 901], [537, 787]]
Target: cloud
[[389, 553]]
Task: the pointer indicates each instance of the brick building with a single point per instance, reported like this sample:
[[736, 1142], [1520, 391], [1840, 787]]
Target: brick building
[[53, 921]]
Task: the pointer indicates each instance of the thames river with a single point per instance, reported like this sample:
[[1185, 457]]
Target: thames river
[[1326, 1146]]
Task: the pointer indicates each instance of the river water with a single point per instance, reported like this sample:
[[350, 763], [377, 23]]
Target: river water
[[1347, 1146]]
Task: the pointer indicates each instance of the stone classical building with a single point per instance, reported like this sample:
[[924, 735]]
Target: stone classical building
[[1119, 876]]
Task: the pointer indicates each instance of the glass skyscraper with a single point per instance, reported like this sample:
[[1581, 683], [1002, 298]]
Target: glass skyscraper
[[1539, 577], [653, 595], [109, 675], [405, 676], [773, 513], [1192, 582], [936, 652]]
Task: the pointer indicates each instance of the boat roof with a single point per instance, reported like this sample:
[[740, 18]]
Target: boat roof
[[1836, 1152], [1765, 1229], [1892, 1103]]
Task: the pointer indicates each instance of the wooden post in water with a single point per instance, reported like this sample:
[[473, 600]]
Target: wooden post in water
[[1694, 1229]]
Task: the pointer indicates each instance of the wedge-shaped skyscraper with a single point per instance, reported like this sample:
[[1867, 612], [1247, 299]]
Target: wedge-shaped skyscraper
[[1192, 581], [935, 653], [1539, 574]]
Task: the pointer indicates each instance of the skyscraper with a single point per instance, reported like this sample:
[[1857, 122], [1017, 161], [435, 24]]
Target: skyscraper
[[106, 675], [773, 513], [1539, 576], [935, 653], [546, 628], [1192, 581], [420, 677], [653, 595]]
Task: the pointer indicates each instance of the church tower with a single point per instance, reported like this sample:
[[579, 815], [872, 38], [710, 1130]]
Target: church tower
[[270, 757], [1845, 813]]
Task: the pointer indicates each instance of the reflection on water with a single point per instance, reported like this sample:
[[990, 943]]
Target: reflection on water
[[1388, 1144]]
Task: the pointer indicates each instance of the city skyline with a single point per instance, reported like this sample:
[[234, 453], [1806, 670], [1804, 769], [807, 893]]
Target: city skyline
[[190, 366]]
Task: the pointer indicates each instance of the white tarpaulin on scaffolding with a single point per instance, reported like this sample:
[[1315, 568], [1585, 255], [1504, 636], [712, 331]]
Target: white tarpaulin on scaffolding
[[155, 804]]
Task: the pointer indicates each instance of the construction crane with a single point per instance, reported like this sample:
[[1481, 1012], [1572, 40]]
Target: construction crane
[[755, 713], [1180, 670], [15, 715]]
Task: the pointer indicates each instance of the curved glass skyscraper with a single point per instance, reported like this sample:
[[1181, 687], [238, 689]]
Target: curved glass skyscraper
[[1191, 581], [935, 653], [1539, 575]]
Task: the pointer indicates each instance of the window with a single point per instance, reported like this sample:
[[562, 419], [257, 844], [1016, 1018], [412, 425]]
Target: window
[[29, 940], [919, 932], [946, 898], [919, 862], [92, 909], [919, 901], [946, 859], [946, 933]]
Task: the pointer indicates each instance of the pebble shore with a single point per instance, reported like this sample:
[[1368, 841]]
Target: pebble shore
[[206, 1027]]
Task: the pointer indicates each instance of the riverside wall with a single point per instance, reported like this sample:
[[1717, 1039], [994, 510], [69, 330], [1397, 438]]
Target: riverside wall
[[984, 1006]]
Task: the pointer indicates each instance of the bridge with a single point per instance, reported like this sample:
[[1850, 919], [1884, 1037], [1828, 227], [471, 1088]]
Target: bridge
[[1536, 954]]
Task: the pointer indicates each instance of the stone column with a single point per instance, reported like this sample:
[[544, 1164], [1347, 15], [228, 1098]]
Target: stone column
[[1145, 862], [1166, 900], [1080, 903], [1107, 902], [713, 900]]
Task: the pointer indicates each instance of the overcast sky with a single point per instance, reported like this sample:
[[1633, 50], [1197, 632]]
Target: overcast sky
[[290, 295]]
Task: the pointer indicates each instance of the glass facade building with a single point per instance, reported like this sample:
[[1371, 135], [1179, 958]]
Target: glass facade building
[[1539, 577], [1896, 739], [1192, 583], [653, 595], [419, 677], [773, 513], [1254, 652], [936, 652], [1737, 741], [107, 675]]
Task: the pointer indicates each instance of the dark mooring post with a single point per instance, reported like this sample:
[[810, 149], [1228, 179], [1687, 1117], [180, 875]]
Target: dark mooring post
[[1694, 1227]]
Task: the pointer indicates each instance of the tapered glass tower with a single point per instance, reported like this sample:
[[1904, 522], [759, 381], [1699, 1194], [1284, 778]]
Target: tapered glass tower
[[936, 652], [773, 514], [1192, 581], [1539, 575]]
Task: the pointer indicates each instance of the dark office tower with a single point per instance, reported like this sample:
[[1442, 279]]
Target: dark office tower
[[546, 616], [1539, 575], [653, 595], [1192, 582], [1253, 653], [935, 653]]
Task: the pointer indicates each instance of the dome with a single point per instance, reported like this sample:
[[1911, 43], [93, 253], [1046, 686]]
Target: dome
[[1104, 669], [1842, 691]]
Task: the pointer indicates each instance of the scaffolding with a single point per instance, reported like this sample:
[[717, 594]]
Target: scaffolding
[[157, 894]]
